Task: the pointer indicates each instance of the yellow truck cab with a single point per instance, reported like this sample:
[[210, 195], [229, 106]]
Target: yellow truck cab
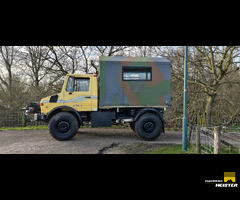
[[79, 92], [130, 90]]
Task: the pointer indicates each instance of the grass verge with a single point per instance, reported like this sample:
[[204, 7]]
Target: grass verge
[[172, 149], [177, 149], [23, 128]]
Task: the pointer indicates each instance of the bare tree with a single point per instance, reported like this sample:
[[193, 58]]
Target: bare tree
[[106, 51], [8, 58], [210, 72], [208, 68], [227, 105], [35, 65], [36, 62], [56, 57], [216, 62]]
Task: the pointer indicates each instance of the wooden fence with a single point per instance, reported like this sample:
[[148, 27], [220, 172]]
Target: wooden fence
[[215, 140]]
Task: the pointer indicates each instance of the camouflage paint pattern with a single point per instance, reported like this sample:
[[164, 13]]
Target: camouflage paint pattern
[[114, 91]]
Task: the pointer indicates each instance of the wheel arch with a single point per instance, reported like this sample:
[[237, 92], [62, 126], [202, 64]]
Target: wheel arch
[[60, 109]]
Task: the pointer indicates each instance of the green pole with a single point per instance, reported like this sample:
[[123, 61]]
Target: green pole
[[184, 122]]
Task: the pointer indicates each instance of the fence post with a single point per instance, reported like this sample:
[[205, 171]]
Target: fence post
[[216, 140], [198, 145], [23, 120]]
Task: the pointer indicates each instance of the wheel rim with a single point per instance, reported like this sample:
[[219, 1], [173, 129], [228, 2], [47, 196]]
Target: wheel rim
[[63, 126], [149, 127]]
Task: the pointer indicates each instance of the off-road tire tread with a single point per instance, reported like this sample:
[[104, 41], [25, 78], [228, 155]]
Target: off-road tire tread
[[70, 118], [141, 133]]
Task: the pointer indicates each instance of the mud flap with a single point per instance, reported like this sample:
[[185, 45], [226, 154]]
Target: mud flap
[[102, 119]]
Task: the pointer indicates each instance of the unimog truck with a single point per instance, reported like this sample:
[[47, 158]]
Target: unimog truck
[[134, 90]]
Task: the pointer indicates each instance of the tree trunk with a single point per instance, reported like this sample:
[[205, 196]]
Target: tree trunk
[[208, 108], [198, 139]]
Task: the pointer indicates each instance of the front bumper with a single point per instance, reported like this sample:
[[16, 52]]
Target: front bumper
[[34, 116], [33, 113]]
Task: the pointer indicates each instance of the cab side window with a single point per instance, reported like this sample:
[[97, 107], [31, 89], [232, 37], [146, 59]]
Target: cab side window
[[78, 84], [82, 84]]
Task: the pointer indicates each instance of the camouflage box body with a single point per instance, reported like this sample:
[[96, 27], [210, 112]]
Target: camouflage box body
[[134, 81]]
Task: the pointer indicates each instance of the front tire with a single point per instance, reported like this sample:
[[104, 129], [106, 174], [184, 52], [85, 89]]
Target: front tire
[[63, 126], [148, 126]]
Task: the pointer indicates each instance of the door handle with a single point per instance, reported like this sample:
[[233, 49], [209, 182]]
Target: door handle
[[88, 97]]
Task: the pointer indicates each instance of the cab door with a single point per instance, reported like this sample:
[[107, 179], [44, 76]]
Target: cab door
[[78, 94]]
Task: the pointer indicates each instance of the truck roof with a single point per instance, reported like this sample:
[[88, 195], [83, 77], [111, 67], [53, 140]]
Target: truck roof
[[82, 75], [133, 59]]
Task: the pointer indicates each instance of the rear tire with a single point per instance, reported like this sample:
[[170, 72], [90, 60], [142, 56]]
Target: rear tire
[[132, 126], [63, 126], [148, 126]]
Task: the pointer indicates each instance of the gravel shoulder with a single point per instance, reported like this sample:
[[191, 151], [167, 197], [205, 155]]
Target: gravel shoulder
[[86, 141]]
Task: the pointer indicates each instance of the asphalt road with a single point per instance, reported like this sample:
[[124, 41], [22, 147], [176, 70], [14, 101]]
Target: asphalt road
[[86, 141]]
